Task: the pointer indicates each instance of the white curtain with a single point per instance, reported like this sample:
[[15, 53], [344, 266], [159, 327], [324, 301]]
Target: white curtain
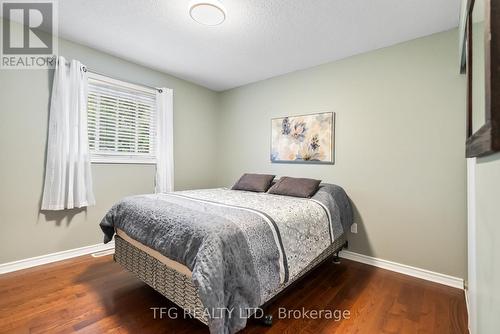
[[165, 141], [68, 181]]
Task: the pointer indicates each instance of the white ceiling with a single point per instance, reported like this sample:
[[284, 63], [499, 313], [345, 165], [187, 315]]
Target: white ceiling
[[259, 39]]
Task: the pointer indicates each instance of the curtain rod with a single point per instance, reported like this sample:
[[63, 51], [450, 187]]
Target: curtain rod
[[85, 69]]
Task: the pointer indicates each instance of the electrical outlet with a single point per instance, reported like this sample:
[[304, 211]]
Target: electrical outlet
[[354, 228]]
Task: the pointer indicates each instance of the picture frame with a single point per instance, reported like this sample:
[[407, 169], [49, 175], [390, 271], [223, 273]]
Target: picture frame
[[303, 139], [486, 140]]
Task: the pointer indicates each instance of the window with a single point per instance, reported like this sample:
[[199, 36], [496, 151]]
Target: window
[[121, 121]]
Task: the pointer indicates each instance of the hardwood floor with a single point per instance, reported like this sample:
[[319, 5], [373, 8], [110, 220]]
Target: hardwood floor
[[95, 295]]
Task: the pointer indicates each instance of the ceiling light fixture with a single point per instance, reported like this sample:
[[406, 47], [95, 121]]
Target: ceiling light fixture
[[209, 12]]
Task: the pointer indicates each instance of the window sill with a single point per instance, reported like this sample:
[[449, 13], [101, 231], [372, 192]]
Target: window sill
[[122, 160]]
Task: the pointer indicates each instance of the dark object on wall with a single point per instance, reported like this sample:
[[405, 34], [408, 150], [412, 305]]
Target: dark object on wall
[[486, 140], [297, 187], [254, 182]]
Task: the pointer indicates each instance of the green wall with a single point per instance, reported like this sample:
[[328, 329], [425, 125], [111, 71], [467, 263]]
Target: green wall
[[24, 102], [488, 244], [400, 136], [399, 148]]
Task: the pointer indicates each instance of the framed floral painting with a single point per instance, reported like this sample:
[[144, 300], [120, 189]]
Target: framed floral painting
[[303, 139]]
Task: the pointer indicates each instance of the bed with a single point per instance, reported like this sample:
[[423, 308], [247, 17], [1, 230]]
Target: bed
[[220, 253]]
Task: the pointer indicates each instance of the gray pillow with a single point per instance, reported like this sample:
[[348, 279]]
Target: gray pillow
[[254, 182], [297, 187]]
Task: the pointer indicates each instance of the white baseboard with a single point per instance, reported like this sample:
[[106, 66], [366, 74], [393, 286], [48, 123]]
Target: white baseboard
[[428, 275], [385, 264], [470, 322], [466, 292], [54, 257]]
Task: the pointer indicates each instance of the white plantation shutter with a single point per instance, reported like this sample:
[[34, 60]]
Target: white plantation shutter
[[121, 121]]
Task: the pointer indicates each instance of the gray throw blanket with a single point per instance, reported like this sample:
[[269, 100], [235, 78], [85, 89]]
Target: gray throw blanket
[[240, 246]]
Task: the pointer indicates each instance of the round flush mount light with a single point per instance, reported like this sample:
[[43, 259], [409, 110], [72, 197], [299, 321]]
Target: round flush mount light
[[209, 13]]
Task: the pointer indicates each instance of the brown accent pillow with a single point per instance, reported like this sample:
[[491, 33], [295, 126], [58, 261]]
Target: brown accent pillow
[[254, 182], [297, 187]]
